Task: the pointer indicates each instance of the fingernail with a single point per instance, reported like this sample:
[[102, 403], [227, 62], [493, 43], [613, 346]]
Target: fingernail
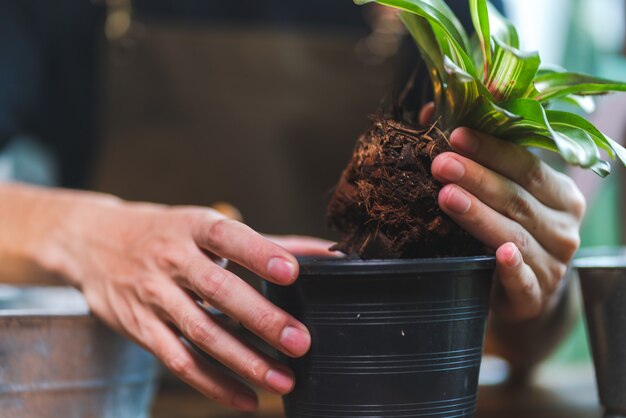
[[465, 140], [451, 169], [281, 269], [514, 257], [245, 401], [279, 381], [295, 340], [457, 201]]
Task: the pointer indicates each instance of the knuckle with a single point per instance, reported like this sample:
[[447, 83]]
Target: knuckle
[[535, 176], [268, 321], [527, 289], [254, 370], [190, 215], [518, 207], [200, 332], [220, 230], [555, 274], [212, 287], [569, 245], [481, 179], [180, 364], [578, 204], [561, 271], [149, 290], [169, 257], [522, 241]]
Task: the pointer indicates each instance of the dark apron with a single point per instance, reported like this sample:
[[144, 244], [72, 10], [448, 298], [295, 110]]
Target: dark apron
[[263, 119]]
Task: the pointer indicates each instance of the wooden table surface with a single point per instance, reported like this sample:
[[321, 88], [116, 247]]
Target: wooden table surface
[[557, 392]]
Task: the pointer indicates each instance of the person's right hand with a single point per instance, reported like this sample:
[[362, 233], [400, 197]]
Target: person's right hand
[[516, 205], [143, 269]]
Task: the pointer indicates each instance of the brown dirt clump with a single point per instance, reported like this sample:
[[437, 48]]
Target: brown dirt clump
[[385, 203]]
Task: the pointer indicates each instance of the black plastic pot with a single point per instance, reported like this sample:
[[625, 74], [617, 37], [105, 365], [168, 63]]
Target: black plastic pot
[[390, 338]]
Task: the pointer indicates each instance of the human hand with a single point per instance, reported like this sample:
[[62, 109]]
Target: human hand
[[518, 206], [143, 269]]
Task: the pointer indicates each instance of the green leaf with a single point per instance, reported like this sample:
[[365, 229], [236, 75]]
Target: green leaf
[[445, 9], [536, 141], [602, 168], [559, 118], [480, 18], [619, 150], [487, 117], [575, 137], [575, 147], [450, 34], [460, 93], [501, 28], [560, 84], [429, 49], [511, 101], [584, 103], [546, 69], [512, 72], [533, 120], [436, 12]]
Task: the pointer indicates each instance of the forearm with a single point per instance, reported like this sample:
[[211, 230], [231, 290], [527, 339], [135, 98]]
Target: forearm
[[525, 344], [32, 225]]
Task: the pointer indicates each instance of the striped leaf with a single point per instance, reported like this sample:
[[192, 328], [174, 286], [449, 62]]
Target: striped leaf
[[501, 28], [561, 84], [429, 48], [487, 117], [460, 93], [451, 35], [510, 99], [480, 18], [512, 72]]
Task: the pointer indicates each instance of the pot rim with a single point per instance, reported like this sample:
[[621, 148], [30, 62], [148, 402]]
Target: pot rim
[[315, 266], [600, 258]]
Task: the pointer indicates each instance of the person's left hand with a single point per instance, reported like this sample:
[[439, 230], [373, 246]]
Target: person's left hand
[[518, 206]]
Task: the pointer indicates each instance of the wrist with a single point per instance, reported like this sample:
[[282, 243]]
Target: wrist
[[68, 222]]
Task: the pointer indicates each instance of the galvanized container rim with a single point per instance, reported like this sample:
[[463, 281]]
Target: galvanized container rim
[[44, 313], [42, 302], [310, 266]]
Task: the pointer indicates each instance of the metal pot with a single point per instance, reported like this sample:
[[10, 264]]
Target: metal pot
[[602, 274], [57, 360]]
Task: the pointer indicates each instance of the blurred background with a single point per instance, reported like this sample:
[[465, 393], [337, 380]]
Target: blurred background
[[256, 103], [586, 36]]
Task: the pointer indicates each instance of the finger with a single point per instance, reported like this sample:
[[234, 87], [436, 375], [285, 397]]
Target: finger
[[214, 339], [523, 298], [427, 112], [494, 230], [556, 231], [235, 241], [195, 371], [228, 210], [551, 188], [240, 301], [305, 246]]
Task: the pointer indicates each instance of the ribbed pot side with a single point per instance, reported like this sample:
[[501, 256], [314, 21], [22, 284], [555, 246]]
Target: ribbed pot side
[[390, 338]]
